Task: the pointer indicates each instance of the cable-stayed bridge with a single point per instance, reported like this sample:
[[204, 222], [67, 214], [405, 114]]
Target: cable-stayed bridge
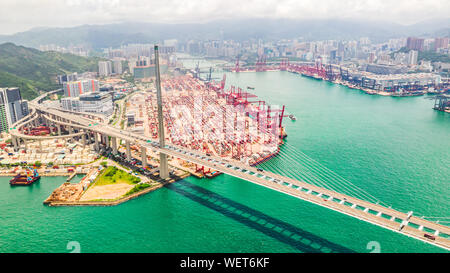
[[311, 187], [298, 176]]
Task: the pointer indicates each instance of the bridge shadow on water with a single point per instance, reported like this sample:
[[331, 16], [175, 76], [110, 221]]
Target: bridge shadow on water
[[284, 232]]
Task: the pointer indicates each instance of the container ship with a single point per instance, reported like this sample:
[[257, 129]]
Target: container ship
[[312, 76], [29, 178]]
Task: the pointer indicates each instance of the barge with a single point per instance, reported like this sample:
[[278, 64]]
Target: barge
[[29, 178], [262, 158]]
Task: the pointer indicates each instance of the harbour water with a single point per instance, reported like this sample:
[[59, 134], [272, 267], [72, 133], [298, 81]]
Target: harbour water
[[394, 148]]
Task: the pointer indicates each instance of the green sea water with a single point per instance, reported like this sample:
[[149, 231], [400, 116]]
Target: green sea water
[[394, 148]]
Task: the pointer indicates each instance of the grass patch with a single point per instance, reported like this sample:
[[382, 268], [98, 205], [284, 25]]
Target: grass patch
[[102, 200], [113, 175], [137, 188]]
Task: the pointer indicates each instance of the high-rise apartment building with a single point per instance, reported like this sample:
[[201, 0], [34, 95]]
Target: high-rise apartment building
[[415, 43], [441, 43], [12, 107], [145, 68], [67, 78], [117, 67], [104, 68], [77, 88], [412, 57]]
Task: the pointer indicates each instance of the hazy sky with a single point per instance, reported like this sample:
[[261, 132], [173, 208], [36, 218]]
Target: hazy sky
[[21, 15]]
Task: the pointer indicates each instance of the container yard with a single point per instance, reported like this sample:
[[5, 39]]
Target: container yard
[[49, 151], [398, 85], [230, 123]]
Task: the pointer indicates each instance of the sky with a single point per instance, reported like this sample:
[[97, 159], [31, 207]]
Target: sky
[[22, 15]]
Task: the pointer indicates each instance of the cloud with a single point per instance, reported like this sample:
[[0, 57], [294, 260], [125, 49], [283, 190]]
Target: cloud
[[21, 15]]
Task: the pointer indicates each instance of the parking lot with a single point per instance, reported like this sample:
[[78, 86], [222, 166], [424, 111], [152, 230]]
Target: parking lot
[[135, 165]]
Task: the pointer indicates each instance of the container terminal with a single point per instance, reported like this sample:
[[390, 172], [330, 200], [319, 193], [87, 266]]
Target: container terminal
[[397, 85], [229, 123]]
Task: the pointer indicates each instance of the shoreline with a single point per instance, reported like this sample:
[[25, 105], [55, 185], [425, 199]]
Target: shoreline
[[42, 174], [112, 202], [348, 85], [366, 90]]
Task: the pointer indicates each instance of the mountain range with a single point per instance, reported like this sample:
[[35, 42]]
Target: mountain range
[[114, 35], [32, 70]]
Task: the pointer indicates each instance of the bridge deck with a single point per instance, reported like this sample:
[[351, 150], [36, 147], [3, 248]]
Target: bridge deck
[[371, 215]]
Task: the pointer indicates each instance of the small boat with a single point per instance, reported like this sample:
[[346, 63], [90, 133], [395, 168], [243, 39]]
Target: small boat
[[292, 117], [251, 88], [29, 178], [212, 174]]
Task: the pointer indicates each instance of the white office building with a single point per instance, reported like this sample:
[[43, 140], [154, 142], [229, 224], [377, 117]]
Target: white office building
[[96, 102], [12, 107]]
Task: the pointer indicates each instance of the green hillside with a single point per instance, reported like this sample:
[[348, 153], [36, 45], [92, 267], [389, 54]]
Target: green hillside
[[33, 70]]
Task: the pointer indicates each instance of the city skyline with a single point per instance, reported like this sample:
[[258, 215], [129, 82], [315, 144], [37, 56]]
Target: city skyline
[[19, 16]]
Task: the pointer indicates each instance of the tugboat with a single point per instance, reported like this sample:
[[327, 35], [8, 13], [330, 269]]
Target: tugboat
[[292, 117], [29, 178]]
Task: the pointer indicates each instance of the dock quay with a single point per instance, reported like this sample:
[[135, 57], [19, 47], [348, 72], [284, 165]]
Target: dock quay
[[442, 103], [71, 177], [69, 174], [69, 171], [190, 171], [389, 84]]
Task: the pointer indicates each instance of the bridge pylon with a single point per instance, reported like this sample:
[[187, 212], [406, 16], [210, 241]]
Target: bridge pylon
[[163, 166]]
